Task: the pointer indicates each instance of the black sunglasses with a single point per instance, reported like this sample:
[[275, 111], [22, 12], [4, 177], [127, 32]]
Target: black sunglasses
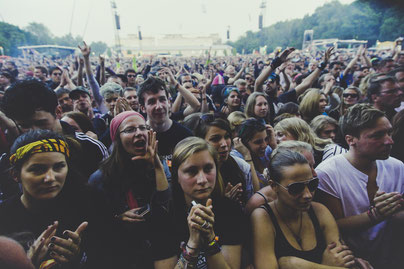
[[297, 188], [353, 95]]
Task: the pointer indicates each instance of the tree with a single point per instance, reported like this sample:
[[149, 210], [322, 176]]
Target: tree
[[41, 32], [99, 47]]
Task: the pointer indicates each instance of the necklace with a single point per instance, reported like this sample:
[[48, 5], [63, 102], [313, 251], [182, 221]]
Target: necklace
[[296, 236]]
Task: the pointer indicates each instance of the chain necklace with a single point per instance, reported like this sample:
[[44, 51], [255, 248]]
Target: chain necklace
[[296, 236]]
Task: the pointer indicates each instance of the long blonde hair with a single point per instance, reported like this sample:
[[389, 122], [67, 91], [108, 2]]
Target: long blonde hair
[[301, 131], [309, 106]]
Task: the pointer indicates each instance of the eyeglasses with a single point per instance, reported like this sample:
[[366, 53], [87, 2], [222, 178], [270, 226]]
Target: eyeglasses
[[297, 188], [133, 129], [352, 95], [57, 74], [131, 76]]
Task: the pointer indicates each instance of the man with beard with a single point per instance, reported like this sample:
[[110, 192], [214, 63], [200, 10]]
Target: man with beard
[[363, 188], [64, 100]]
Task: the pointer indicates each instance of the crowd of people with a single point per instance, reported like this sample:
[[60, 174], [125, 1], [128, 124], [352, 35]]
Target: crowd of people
[[287, 160]]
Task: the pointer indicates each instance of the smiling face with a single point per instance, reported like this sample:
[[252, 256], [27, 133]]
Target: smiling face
[[134, 141], [350, 97], [197, 176], [220, 140], [322, 103], [234, 99], [261, 107], [156, 106], [258, 144], [43, 176]]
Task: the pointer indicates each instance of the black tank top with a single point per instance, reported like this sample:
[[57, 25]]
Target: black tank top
[[283, 248]]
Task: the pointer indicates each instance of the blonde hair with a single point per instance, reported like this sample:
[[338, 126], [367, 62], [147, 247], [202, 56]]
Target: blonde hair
[[301, 131], [319, 123], [235, 119], [185, 149], [309, 106]]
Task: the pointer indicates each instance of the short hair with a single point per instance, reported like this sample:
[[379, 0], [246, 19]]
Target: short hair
[[153, 85], [54, 68], [22, 99], [283, 159], [294, 145], [289, 107], [59, 92], [359, 117], [395, 71], [239, 82], [128, 89], [320, 122], [130, 70], [42, 68], [110, 88], [375, 84], [384, 61], [335, 63]]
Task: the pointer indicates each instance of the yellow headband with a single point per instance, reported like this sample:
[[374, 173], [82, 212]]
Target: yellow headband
[[45, 145]]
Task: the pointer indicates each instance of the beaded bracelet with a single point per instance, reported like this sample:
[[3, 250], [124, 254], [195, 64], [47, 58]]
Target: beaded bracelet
[[213, 247]]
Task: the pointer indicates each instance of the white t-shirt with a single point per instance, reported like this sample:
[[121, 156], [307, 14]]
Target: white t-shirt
[[343, 181]]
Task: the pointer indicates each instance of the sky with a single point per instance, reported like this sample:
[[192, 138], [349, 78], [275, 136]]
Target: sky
[[93, 19]]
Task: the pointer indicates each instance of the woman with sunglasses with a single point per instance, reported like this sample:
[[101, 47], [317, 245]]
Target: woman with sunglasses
[[205, 229], [134, 182], [350, 97], [236, 176], [68, 219], [292, 231]]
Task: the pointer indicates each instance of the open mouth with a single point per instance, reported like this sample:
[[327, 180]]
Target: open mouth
[[140, 144]]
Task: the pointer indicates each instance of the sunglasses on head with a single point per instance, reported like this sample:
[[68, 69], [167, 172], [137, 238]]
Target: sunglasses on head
[[353, 95], [298, 187]]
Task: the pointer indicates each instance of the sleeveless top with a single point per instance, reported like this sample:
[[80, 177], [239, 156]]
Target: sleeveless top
[[283, 248]]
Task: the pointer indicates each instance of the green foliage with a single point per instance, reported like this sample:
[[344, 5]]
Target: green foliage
[[11, 37], [363, 19]]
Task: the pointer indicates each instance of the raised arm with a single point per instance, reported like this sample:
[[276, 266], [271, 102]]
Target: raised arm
[[189, 98], [307, 82], [102, 70], [95, 88], [269, 69], [238, 75], [353, 61]]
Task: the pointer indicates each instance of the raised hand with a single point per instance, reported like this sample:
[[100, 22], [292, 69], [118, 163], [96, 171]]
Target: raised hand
[[85, 50], [328, 54], [233, 192], [121, 106], [67, 250], [37, 252], [151, 151], [284, 54]]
